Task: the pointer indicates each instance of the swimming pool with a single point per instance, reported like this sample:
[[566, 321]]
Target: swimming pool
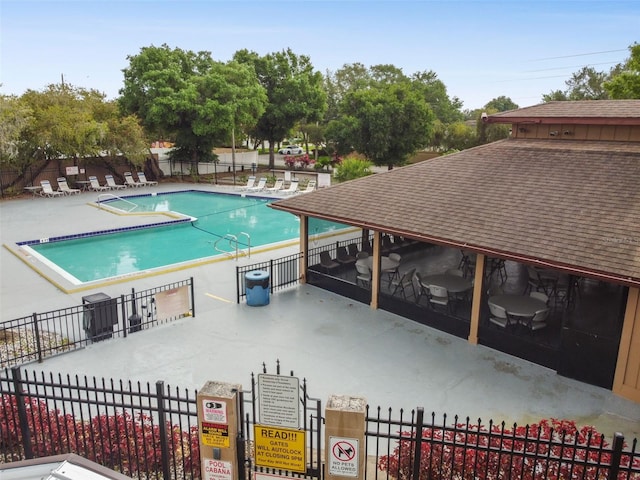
[[210, 220]]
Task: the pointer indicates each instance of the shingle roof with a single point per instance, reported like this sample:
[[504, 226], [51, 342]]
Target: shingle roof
[[574, 205], [624, 112]]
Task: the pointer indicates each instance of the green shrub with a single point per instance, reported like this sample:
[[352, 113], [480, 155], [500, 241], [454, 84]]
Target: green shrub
[[323, 163], [352, 167]]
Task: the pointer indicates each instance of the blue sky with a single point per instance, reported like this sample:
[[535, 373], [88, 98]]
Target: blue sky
[[479, 49]]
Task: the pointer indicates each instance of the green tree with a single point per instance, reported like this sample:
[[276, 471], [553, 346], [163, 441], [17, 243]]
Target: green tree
[[63, 123], [459, 136], [314, 133], [154, 78], [585, 84], [294, 94], [15, 117], [353, 77], [126, 136], [487, 133], [555, 96], [340, 134], [386, 74], [501, 104], [626, 83], [190, 98], [386, 123], [447, 110], [225, 100], [337, 84], [345, 82]]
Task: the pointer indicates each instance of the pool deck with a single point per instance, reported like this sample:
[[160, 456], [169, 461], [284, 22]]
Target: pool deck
[[338, 345]]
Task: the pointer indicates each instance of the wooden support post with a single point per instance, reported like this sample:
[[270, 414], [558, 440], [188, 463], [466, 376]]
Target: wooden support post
[[375, 270], [304, 248], [218, 427], [345, 437], [478, 287]]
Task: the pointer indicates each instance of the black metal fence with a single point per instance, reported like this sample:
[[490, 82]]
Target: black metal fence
[[151, 432], [283, 272], [100, 317], [312, 423], [134, 428], [409, 447]]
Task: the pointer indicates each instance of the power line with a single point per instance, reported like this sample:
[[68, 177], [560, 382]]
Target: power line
[[574, 66], [529, 78], [578, 55]]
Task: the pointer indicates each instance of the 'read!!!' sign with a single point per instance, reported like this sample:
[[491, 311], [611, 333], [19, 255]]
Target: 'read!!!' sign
[[216, 469], [280, 448], [214, 412]]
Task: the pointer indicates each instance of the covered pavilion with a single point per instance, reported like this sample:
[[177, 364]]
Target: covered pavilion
[[560, 196]]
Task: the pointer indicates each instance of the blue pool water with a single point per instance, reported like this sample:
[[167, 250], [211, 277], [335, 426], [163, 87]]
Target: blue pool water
[[91, 257]]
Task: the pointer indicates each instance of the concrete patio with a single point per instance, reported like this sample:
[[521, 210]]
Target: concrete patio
[[338, 345]]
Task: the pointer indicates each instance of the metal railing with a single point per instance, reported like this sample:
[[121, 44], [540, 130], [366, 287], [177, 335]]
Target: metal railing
[[148, 432], [134, 428], [283, 272], [312, 423], [40, 335], [104, 196], [234, 245], [413, 447]]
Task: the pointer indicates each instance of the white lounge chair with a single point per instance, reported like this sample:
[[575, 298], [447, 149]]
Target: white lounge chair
[[251, 181], [48, 191], [143, 180], [63, 187], [276, 186], [95, 185], [293, 188], [112, 183], [311, 186], [130, 182], [262, 183]]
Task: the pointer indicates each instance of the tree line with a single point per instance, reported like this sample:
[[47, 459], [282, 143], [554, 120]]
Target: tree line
[[198, 103]]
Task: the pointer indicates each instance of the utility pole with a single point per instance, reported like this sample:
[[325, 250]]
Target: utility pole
[[233, 153]]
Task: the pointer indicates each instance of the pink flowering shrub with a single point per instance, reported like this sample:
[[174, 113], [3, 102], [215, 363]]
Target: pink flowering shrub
[[550, 449], [298, 161], [130, 445]]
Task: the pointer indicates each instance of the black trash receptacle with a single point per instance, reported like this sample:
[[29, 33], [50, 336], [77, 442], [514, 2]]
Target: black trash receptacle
[[99, 316], [257, 288], [135, 323]]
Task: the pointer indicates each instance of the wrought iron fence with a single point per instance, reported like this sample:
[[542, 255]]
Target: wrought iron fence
[[408, 447], [311, 423], [283, 272], [313, 253], [148, 432], [134, 428], [41, 335]]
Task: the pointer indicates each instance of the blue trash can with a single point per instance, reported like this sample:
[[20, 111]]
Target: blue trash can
[[256, 285]]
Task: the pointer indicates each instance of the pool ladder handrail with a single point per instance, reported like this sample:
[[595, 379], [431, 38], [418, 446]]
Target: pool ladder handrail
[[233, 241], [112, 196]]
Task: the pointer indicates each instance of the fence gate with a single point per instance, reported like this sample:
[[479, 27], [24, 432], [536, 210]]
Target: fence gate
[[281, 428]]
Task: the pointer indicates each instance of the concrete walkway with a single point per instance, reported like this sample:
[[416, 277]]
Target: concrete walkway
[[338, 345]]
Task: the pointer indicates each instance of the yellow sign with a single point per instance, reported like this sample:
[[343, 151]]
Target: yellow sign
[[215, 435], [281, 448]]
